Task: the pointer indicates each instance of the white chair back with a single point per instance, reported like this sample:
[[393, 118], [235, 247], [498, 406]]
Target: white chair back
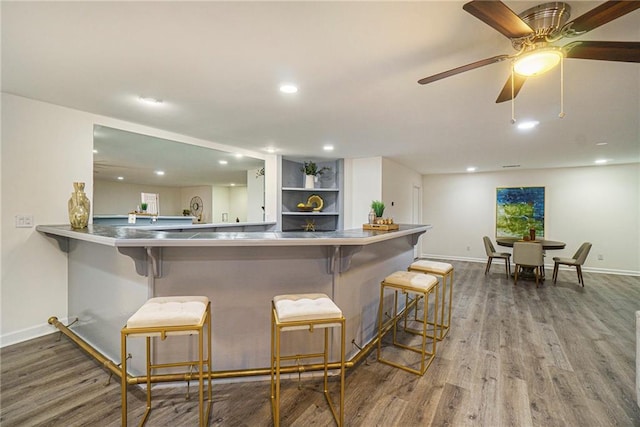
[[528, 254]]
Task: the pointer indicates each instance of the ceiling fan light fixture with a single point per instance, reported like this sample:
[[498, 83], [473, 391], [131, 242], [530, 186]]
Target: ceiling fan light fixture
[[538, 61]]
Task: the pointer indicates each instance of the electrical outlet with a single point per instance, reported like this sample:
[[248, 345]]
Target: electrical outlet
[[24, 221], [600, 257]]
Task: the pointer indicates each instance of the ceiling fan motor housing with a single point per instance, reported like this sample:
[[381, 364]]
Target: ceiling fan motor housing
[[546, 20]]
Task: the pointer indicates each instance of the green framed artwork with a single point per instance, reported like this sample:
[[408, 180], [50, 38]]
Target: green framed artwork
[[518, 210]]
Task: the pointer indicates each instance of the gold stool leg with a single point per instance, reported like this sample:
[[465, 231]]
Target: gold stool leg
[[148, 410], [209, 368], [343, 334], [201, 408], [380, 322], [276, 397], [123, 377]]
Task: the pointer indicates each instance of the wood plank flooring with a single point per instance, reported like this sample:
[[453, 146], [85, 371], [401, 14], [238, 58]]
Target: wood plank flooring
[[515, 356]]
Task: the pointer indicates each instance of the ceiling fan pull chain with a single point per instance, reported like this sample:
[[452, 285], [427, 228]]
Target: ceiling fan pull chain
[[513, 100], [561, 115]]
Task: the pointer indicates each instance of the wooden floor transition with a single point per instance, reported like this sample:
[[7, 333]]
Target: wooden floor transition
[[516, 356]]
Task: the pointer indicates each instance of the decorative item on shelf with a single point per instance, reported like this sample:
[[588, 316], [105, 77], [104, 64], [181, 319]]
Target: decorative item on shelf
[[314, 204], [315, 201], [186, 212], [143, 206], [378, 208], [532, 233], [372, 217], [79, 207], [310, 225], [304, 207], [196, 206], [382, 224], [311, 172]]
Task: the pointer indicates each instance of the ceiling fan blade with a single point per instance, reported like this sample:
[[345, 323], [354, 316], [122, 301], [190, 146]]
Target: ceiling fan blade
[[498, 16], [505, 95], [462, 69], [604, 51], [600, 15]]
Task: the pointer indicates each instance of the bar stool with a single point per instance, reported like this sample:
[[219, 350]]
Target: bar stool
[[422, 285], [443, 270], [305, 311], [162, 317]]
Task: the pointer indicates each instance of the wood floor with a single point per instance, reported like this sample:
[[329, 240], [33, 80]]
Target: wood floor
[[516, 356]]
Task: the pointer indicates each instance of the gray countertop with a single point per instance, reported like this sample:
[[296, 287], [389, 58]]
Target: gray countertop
[[136, 237]]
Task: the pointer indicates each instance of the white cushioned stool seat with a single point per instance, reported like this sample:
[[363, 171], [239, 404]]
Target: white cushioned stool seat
[[407, 279], [432, 266], [297, 307], [169, 311]]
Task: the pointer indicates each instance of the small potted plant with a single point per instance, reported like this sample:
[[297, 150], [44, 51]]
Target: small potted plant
[[143, 207], [311, 172], [378, 208]]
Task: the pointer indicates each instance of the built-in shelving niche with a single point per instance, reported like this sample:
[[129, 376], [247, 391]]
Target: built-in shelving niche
[[328, 187]]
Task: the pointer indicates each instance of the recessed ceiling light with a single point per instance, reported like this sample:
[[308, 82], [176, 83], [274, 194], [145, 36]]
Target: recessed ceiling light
[[120, 178], [601, 143], [601, 161], [95, 151], [471, 169], [238, 156], [270, 150], [528, 125], [222, 162], [159, 173], [328, 147], [288, 88], [233, 184], [150, 100]]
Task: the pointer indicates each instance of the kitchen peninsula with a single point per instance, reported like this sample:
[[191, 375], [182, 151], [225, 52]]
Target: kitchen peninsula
[[113, 270]]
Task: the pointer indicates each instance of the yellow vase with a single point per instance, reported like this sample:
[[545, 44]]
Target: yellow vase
[[79, 207]]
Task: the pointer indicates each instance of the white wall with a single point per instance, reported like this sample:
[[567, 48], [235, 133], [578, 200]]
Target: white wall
[[398, 183], [238, 203], [255, 196], [120, 198], [45, 148], [598, 204], [362, 184]]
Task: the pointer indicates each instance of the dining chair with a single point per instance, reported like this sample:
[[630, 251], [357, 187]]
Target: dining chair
[[528, 255], [576, 261], [491, 254]]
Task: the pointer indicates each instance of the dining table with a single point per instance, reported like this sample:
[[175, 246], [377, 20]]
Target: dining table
[[546, 244], [528, 273]]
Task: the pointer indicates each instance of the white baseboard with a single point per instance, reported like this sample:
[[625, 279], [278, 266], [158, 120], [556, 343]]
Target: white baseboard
[[28, 334], [548, 267]]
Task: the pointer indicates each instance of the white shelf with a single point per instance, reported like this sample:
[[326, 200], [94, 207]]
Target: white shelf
[[310, 190], [310, 213]]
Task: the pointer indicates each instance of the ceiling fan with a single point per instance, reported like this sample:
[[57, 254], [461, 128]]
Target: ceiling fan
[[534, 32]]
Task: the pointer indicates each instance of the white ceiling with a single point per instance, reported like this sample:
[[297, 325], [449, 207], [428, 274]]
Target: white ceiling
[[218, 65]]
